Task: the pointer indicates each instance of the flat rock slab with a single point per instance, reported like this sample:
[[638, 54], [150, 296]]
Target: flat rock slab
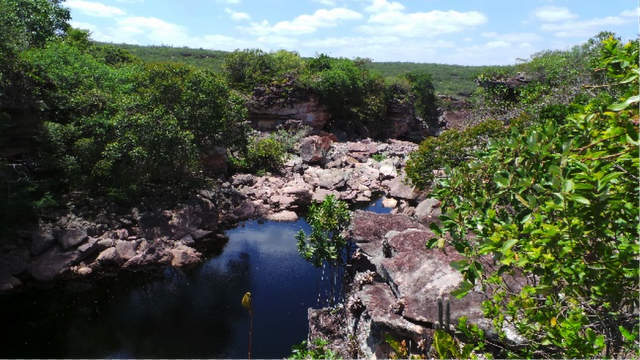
[[379, 301], [421, 276], [73, 237], [48, 265], [368, 229], [285, 215]]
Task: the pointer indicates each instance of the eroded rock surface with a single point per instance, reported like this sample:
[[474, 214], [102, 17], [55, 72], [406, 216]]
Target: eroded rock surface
[[400, 296]]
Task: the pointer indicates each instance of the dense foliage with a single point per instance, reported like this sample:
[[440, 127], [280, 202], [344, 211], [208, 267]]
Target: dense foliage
[[80, 116], [326, 242], [547, 217]]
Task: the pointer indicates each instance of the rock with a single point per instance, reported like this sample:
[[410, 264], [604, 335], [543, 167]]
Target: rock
[[428, 211], [282, 202], [243, 179], [91, 246], [84, 270], [421, 276], [399, 189], [106, 243], [320, 194], [389, 202], [121, 234], [41, 241], [245, 211], [270, 108], [188, 240], [50, 264], [331, 179], [109, 256], [285, 215], [14, 262], [72, 237], [330, 325], [152, 254], [125, 249], [313, 149], [8, 283], [184, 256], [199, 234], [387, 169]]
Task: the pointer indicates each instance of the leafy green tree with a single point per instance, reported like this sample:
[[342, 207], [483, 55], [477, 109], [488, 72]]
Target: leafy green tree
[[548, 220], [326, 243], [424, 94]]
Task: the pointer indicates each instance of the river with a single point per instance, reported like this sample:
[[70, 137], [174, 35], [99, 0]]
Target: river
[[177, 313]]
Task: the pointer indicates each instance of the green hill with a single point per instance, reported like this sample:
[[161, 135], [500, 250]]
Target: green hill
[[447, 79]]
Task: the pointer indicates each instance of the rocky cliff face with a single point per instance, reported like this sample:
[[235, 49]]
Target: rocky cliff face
[[285, 105], [394, 287]]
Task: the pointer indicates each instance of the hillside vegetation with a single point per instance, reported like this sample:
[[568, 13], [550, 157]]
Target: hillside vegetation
[[447, 79]]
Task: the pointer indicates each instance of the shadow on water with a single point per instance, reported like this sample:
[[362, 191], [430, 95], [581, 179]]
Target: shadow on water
[[175, 313]]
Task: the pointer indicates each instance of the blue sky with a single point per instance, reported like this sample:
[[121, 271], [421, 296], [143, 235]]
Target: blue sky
[[467, 32]]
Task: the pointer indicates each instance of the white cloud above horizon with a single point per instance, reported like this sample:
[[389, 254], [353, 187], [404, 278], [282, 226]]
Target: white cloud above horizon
[[384, 30], [92, 8]]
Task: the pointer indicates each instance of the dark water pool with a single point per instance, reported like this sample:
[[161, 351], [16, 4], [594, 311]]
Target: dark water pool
[[177, 313]]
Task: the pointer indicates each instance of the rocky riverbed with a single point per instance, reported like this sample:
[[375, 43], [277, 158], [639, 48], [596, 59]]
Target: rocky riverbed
[[78, 245]]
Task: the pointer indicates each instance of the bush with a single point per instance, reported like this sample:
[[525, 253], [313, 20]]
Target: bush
[[265, 154], [354, 97], [424, 94], [555, 205], [451, 148]]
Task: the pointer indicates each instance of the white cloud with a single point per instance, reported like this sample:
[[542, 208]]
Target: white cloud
[[584, 28], [304, 24], [422, 24], [237, 15], [94, 8], [554, 13], [379, 6], [326, 2], [513, 37], [631, 13]]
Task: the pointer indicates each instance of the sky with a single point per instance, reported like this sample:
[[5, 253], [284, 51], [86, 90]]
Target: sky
[[465, 32]]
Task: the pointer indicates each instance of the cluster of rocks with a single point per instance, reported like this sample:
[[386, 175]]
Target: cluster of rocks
[[395, 285], [355, 172], [73, 246]]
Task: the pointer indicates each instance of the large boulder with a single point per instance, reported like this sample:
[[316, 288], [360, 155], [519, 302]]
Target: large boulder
[[72, 237], [314, 149], [399, 188], [330, 179], [428, 211], [53, 262], [42, 240]]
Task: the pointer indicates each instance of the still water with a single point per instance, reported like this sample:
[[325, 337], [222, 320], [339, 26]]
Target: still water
[[176, 313]]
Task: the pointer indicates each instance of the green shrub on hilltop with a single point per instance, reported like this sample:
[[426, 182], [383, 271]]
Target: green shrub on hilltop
[[555, 205]]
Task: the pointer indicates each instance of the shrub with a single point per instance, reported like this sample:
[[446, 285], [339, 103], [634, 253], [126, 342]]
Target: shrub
[[555, 205], [451, 148], [265, 154], [326, 242]]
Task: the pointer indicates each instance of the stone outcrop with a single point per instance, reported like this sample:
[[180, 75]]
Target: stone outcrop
[[345, 170], [404, 281]]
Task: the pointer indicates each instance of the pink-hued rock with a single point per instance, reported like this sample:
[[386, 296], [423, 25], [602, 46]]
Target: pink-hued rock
[[314, 149]]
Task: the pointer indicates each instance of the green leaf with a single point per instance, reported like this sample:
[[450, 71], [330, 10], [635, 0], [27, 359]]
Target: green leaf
[[627, 335], [625, 104], [580, 199], [462, 290], [509, 244]]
